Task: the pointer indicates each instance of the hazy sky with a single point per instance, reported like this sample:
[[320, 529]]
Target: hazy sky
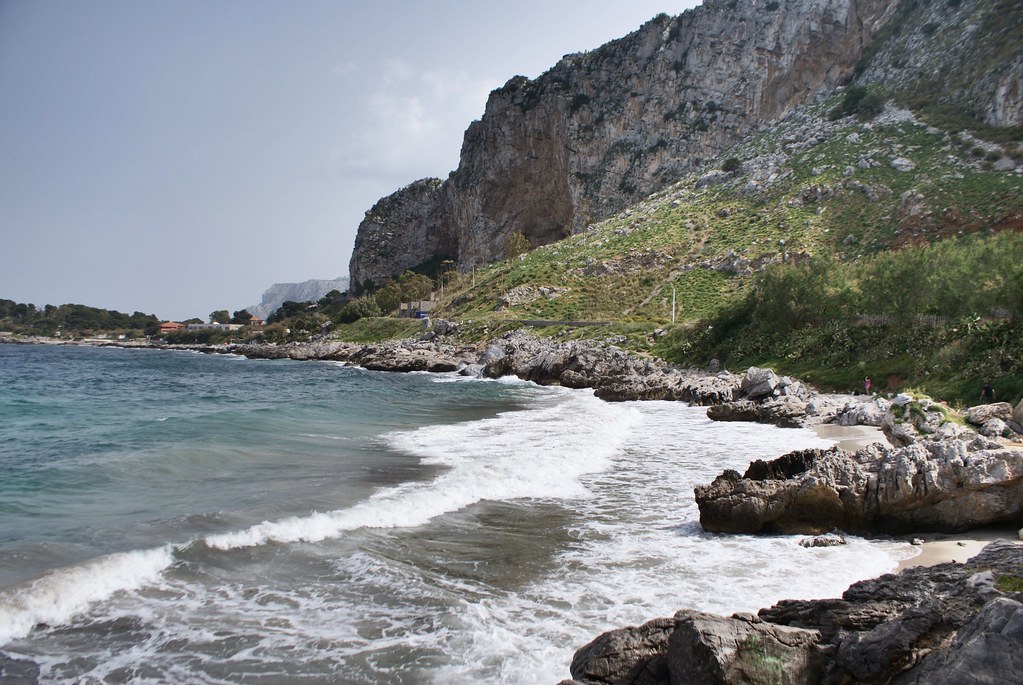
[[180, 156]]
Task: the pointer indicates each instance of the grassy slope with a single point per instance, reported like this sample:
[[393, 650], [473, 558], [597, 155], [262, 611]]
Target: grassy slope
[[840, 196]]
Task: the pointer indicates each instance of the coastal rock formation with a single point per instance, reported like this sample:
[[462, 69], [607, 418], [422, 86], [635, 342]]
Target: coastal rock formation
[[765, 397], [952, 623], [614, 374], [603, 129], [908, 420], [946, 486]]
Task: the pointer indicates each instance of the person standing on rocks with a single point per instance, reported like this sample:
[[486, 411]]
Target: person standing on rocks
[[866, 385], [987, 395]]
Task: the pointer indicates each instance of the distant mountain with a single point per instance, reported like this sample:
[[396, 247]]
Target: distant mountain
[[307, 291]]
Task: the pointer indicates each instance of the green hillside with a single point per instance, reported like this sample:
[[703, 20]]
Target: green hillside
[[839, 211]]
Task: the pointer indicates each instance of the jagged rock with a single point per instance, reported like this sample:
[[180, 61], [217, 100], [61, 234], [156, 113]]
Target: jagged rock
[[632, 655], [928, 624], [995, 428], [991, 643], [711, 650], [983, 413], [910, 420], [1017, 413], [785, 414], [759, 383], [923, 487], [903, 164], [829, 540], [869, 413]]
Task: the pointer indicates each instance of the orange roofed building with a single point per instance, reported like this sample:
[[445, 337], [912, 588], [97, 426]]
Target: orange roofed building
[[170, 326]]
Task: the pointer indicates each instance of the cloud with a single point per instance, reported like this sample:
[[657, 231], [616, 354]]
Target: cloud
[[409, 122]]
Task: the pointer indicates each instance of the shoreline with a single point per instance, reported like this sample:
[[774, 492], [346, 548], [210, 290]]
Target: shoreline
[[936, 548], [942, 548]]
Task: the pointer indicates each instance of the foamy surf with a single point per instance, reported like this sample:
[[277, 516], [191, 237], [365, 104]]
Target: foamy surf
[[61, 594], [539, 452]]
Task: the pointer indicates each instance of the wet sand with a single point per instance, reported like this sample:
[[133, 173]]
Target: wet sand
[[941, 548], [851, 438]]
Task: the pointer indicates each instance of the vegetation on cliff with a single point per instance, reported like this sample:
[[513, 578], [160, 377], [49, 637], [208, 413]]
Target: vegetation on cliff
[[830, 249]]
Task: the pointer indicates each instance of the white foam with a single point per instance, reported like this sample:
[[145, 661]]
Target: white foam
[[536, 452], [62, 593], [638, 552]]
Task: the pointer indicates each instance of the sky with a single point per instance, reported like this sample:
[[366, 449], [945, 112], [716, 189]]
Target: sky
[[176, 157]]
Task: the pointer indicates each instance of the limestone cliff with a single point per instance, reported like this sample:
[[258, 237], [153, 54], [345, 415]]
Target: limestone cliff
[[602, 129], [959, 55], [306, 291]]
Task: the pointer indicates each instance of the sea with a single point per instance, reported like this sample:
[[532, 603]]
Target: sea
[[174, 517]]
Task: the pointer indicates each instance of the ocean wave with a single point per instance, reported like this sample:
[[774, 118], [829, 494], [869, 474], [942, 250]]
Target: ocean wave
[[59, 595], [538, 452]]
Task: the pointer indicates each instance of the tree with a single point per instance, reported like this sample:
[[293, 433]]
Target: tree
[[241, 316], [220, 316]]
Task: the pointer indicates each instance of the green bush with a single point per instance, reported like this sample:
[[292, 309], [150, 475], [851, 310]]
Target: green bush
[[359, 308]]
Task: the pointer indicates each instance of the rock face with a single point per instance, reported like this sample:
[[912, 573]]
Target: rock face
[[399, 232], [935, 486], [602, 129], [967, 52], [940, 624]]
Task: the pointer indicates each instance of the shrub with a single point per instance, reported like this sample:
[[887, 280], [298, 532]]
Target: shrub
[[359, 308], [731, 165], [859, 101]]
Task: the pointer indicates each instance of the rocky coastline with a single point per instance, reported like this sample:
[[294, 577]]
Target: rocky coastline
[[937, 475], [950, 623]]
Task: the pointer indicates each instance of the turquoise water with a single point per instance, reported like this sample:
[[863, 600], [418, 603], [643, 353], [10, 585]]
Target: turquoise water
[[176, 517]]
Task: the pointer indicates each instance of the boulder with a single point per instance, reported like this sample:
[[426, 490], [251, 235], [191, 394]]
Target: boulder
[[1017, 413], [759, 383], [782, 413], [903, 164], [634, 655], [995, 428], [705, 649], [928, 624], [868, 413], [983, 413], [928, 486]]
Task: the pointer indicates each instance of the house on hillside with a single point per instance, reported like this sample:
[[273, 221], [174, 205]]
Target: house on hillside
[[420, 309]]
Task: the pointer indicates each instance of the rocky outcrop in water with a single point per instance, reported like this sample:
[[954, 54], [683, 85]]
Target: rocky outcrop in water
[[603, 129], [946, 486], [952, 623]]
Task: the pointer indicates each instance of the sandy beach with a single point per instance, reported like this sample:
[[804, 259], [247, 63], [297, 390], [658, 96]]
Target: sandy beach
[[939, 548]]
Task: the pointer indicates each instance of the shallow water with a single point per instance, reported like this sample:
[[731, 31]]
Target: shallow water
[[173, 517]]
